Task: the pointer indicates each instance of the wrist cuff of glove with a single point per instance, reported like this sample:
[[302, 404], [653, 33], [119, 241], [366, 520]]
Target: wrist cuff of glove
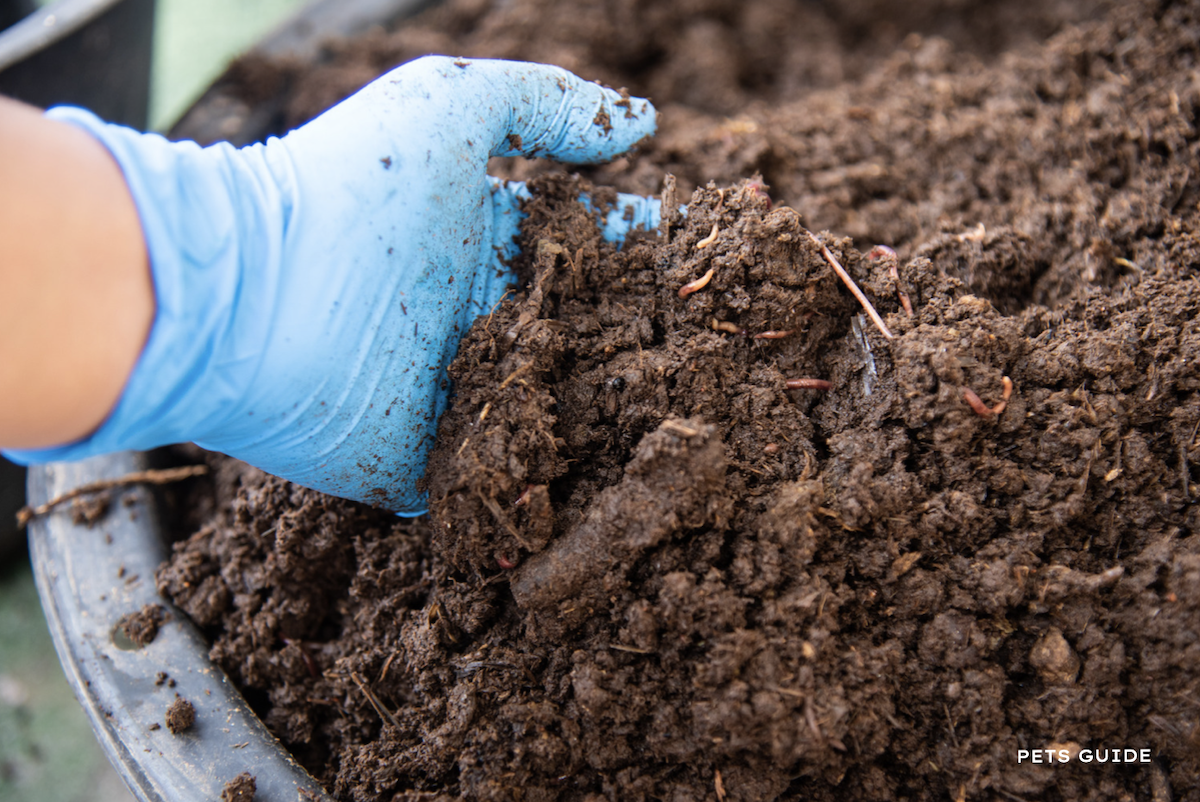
[[194, 205]]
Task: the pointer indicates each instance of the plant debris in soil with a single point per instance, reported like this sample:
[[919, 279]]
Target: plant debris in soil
[[732, 542]]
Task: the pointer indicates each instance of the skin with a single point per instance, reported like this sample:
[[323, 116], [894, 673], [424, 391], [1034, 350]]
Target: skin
[[76, 294]]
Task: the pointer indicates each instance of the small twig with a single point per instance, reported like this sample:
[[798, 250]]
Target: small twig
[[502, 519], [386, 665], [151, 477], [680, 429], [514, 375], [850, 285], [950, 724], [374, 700]]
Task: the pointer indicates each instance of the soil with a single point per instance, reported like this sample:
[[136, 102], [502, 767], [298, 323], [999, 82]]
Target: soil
[[651, 569], [180, 716], [240, 789], [142, 627]]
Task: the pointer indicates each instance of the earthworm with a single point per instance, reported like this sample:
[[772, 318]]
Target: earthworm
[[710, 239], [1006, 393], [774, 335], [809, 384], [761, 190], [505, 563], [523, 499], [309, 663], [983, 410], [698, 284], [976, 403]]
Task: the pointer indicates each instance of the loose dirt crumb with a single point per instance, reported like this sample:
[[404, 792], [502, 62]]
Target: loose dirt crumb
[[142, 627], [240, 789], [181, 715]]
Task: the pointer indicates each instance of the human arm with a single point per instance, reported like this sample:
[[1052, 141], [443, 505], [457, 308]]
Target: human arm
[[71, 253]]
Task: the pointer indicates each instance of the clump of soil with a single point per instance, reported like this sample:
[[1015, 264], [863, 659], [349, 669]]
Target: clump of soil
[[181, 715], [142, 627], [88, 511], [240, 789], [653, 571]]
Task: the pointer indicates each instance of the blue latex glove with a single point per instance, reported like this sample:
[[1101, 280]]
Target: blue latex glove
[[312, 290]]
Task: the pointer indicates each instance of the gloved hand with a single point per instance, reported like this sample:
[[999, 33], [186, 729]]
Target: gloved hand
[[312, 290]]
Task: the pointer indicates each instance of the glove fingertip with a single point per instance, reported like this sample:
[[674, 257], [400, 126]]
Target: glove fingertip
[[555, 114]]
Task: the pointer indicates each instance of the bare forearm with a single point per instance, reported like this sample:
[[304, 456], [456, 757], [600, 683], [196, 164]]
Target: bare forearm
[[76, 297]]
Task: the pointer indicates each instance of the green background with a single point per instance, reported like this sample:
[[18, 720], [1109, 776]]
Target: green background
[[195, 39]]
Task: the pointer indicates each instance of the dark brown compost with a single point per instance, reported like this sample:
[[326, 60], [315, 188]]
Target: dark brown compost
[[653, 570]]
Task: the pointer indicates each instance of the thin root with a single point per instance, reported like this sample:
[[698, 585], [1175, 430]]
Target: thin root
[[850, 285], [151, 477], [383, 712], [698, 284]]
